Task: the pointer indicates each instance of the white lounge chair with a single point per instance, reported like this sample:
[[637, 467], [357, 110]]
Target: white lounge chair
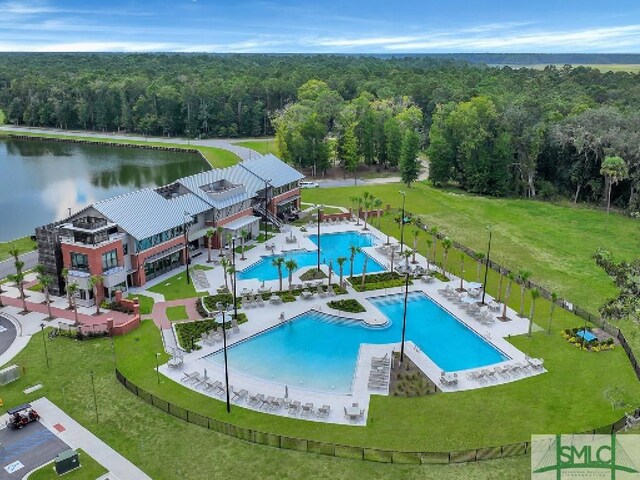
[[239, 395], [323, 411]]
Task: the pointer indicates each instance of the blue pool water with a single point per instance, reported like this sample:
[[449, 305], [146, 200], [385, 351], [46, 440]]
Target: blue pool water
[[332, 246], [319, 351], [586, 334]]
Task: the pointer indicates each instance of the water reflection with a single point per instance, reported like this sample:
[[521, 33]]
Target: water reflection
[[40, 181]]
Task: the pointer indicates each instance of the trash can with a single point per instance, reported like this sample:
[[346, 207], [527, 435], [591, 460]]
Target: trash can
[[67, 461]]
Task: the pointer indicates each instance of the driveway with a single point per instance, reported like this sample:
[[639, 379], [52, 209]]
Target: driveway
[[7, 334]]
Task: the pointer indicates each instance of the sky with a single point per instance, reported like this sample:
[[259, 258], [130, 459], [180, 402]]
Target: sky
[[328, 26]]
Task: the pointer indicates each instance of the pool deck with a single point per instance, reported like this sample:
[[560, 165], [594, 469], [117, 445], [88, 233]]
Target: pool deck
[[267, 316]]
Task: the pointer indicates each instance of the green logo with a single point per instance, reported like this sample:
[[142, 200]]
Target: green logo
[[582, 456]]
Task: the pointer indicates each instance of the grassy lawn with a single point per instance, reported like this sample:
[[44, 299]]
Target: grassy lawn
[[139, 431], [176, 287], [89, 470], [217, 157], [24, 244], [554, 241], [177, 313], [146, 303], [268, 145], [201, 266]]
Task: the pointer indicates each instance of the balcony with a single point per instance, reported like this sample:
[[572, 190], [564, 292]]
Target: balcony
[[114, 276], [91, 241]]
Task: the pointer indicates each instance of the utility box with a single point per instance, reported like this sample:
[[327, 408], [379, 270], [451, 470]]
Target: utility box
[[67, 461], [9, 374]]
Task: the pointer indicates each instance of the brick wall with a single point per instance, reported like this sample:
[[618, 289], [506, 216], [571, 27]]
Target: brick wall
[[283, 196], [137, 260]]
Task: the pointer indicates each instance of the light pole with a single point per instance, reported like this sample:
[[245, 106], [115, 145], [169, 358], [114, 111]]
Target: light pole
[[404, 197], [486, 268], [404, 316], [222, 310], [235, 278], [186, 243], [319, 208], [266, 207], [158, 368], [44, 342]]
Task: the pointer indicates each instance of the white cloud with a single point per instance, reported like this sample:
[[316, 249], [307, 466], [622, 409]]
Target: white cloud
[[107, 46]]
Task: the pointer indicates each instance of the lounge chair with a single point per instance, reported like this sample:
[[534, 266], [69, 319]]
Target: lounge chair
[[239, 395], [268, 402], [234, 327], [277, 403], [213, 386], [307, 409], [294, 407], [191, 377], [256, 398], [323, 411], [259, 301]]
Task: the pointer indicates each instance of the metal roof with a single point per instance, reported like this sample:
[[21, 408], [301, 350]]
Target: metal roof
[[270, 167], [144, 213]]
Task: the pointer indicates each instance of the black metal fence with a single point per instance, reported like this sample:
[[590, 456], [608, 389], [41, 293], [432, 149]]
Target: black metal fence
[[544, 292], [343, 451]]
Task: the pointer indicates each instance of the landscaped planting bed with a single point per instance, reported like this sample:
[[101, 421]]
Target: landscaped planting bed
[[347, 305], [377, 281], [189, 333]]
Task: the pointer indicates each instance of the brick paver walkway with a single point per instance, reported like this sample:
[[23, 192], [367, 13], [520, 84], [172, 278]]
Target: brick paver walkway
[[159, 312]]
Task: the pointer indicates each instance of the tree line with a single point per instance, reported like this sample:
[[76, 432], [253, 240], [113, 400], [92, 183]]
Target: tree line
[[497, 131]]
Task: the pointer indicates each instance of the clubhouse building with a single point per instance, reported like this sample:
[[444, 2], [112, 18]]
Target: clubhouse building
[[133, 238]]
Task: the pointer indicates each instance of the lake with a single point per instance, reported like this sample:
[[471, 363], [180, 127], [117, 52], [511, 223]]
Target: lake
[[41, 180]]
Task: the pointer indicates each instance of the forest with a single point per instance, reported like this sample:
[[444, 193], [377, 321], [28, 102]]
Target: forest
[[505, 131]]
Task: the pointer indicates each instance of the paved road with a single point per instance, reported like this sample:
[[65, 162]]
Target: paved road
[[7, 334], [226, 144], [30, 260]]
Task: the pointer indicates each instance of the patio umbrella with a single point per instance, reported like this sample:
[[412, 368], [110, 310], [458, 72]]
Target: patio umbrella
[[286, 391], [330, 272], [205, 373]]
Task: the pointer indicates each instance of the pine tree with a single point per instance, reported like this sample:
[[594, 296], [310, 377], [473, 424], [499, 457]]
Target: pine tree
[[409, 163], [350, 151]]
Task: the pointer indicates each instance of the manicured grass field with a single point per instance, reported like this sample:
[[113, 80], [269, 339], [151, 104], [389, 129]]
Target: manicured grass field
[[24, 244], [177, 313], [146, 303], [176, 287], [89, 470], [217, 157], [168, 448], [554, 241], [268, 145]]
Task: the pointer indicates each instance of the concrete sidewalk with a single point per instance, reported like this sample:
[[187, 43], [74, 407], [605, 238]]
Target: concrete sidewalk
[[77, 436]]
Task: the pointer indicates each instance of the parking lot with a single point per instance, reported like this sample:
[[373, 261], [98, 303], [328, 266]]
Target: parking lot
[[26, 449]]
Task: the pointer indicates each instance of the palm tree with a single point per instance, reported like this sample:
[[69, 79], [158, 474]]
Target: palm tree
[[330, 273], [18, 278], [225, 265], [446, 245], [461, 271], [501, 273], [406, 254], [65, 275], [392, 257], [367, 206], [353, 250], [479, 257], [416, 233], [535, 293], [523, 277], [278, 262], [353, 199], [433, 231], [243, 235], [94, 281], [45, 281], [15, 253], [291, 265], [614, 170], [511, 277], [210, 234], [341, 261], [377, 203], [554, 299], [72, 289], [231, 271], [359, 207], [364, 271], [219, 231], [429, 242]]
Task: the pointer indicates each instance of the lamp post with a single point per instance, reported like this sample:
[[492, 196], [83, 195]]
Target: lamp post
[[404, 197], [235, 278], [222, 310], [186, 243], [404, 316], [486, 268], [44, 342], [319, 208], [158, 368], [266, 207]]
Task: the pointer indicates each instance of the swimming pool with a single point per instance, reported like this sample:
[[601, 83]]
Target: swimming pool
[[318, 351], [332, 246]]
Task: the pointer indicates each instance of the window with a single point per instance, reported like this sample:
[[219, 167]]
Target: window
[[79, 261], [109, 260], [125, 248]]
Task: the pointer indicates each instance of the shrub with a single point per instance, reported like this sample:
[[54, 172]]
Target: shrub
[[347, 305], [188, 330], [312, 274]]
